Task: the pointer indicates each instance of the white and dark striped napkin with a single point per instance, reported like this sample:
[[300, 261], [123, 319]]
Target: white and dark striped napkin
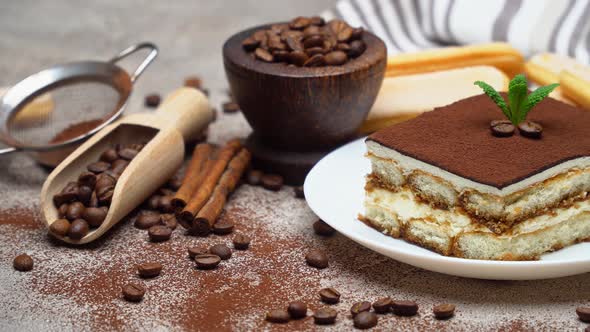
[[532, 26]]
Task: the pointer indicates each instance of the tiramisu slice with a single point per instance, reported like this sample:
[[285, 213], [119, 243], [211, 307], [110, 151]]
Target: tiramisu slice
[[445, 182]]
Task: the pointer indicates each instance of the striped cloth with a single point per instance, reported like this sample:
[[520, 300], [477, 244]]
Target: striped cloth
[[532, 26]]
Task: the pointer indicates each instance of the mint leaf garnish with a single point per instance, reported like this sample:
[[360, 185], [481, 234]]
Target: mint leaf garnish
[[492, 93]]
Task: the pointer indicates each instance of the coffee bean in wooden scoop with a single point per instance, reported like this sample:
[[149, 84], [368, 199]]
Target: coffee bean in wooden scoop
[[75, 211], [383, 305], [297, 309], [94, 216], [359, 307], [241, 242], [98, 167], [87, 179], [584, 314], [325, 316], [23, 263], [109, 155], [60, 227], [530, 129], [149, 270], [404, 308], [78, 229], [502, 128], [443, 311], [329, 295], [128, 153], [207, 261], [221, 250], [321, 228], [133, 292], [159, 233], [317, 259], [277, 316], [365, 320], [272, 182]]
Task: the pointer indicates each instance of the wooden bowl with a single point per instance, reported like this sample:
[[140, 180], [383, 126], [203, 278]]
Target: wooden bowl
[[304, 108]]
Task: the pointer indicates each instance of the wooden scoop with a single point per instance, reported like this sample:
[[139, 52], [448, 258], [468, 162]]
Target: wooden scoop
[[182, 116]]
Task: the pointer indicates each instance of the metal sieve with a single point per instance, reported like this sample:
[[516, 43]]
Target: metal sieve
[[65, 104]]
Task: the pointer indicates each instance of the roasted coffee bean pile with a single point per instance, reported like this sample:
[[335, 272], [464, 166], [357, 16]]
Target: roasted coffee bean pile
[[83, 204], [308, 42]]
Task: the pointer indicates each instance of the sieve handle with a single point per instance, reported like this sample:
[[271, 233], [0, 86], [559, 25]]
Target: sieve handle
[[143, 65], [7, 150]]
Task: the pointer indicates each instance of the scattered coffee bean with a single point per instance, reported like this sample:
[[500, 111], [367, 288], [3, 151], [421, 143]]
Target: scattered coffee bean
[[365, 320], [87, 179], [119, 166], [277, 316], [109, 155], [444, 311], [60, 227], [128, 153], [241, 242], [317, 259], [230, 107], [404, 308], [165, 204], [149, 270], [195, 251], [98, 167], [159, 233], [133, 292], [272, 182], [254, 177], [147, 220], [329, 295], [297, 309], [23, 263], [359, 307], [169, 220], [221, 250], [325, 316], [78, 229], [299, 193], [153, 203], [75, 211], [502, 128], [321, 228], [207, 261], [94, 216], [584, 314], [152, 100], [530, 129], [223, 227], [193, 82], [383, 305]]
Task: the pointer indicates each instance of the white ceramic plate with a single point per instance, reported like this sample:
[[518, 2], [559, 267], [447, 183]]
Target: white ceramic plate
[[334, 190]]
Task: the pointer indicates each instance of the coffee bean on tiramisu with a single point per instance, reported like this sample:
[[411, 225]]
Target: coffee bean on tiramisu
[[87, 179], [325, 316], [584, 314], [195, 251], [502, 128], [254, 177], [365, 320], [133, 292], [207, 261], [98, 167], [321, 228], [383, 305], [128, 153], [169, 220], [159, 233], [317, 258], [443, 311], [75, 211], [241, 242], [404, 308], [78, 229], [152, 100], [277, 316], [223, 227], [230, 107], [147, 219], [299, 193], [272, 182], [23, 263], [109, 155], [530, 129], [149, 270], [60, 227], [329, 295], [165, 204], [94, 216], [221, 250], [359, 307], [297, 309]]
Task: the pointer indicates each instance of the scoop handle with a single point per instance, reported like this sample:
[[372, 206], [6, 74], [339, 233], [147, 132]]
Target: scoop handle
[[187, 110]]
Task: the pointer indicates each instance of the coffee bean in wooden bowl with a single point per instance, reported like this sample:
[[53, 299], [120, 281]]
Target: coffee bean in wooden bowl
[[327, 98]]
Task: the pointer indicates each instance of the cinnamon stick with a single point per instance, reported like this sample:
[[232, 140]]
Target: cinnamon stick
[[207, 216], [191, 181], [211, 175]]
